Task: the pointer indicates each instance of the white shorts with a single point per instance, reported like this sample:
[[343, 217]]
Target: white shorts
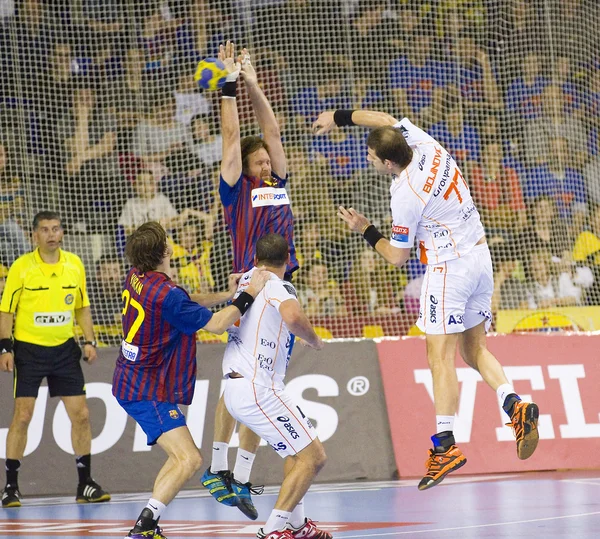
[[457, 295], [269, 413]]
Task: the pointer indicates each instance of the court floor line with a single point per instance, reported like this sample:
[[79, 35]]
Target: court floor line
[[472, 527]]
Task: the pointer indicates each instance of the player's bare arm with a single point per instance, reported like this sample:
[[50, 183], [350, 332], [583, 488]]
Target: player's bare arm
[[357, 222], [7, 360], [264, 115], [84, 319], [231, 163], [297, 322], [231, 314], [364, 118], [216, 298]]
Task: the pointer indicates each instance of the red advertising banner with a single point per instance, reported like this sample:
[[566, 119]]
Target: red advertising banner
[[561, 373]]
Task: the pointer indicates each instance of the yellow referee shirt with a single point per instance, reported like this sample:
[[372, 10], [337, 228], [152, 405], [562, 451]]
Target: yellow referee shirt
[[44, 297]]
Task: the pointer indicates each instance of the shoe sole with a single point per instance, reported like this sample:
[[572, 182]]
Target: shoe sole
[[248, 510], [528, 444], [105, 498], [437, 481], [12, 504]]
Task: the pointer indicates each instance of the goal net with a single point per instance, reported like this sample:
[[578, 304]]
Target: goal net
[[101, 120]]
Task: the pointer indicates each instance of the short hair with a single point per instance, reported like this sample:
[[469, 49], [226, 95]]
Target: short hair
[[108, 258], [145, 247], [389, 143], [46, 215], [272, 250], [249, 145]]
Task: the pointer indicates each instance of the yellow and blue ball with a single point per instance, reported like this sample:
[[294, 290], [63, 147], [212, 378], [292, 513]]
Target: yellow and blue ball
[[210, 74]]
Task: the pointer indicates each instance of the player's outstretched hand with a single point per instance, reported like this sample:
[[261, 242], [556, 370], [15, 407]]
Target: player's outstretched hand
[[227, 56], [233, 282], [324, 123], [356, 222], [260, 276], [248, 72]]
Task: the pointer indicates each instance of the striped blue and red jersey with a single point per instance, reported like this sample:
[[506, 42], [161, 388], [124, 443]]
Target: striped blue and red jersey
[[255, 207], [157, 359]]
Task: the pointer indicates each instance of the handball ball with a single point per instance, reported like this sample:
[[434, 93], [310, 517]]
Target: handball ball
[[210, 74]]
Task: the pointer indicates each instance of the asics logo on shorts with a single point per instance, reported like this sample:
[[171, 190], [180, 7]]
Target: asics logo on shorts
[[288, 426]]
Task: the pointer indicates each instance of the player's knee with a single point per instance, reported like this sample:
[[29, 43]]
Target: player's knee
[[80, 416], [320, 459], [21, 418], [191, 462]]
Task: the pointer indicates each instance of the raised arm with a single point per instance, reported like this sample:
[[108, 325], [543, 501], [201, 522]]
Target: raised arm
[[365, 118], [265, 117], [231, 163]]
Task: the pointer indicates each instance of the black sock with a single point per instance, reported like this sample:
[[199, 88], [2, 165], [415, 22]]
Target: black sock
[[145, 521], [12, 472], [84, 468], [442, 441], [509, 403]]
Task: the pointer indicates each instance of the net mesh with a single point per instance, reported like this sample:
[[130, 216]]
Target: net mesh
[[101, 120]]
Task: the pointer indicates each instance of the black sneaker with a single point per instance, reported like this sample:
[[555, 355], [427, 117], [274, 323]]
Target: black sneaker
[[91, 492], [11, 497]]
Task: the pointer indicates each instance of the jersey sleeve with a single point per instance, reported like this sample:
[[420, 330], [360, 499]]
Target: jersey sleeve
[[406, 214], [413, 134], [82, 299], [280, 291], [229, 194], [12, 288], [183, 313]]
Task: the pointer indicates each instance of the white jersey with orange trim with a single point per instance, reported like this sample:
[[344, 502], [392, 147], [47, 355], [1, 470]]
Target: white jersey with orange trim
[[432, 202], [260, 344]]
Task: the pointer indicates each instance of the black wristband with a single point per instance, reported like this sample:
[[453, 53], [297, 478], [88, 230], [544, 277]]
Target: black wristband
[[6, 346], [229, 89], [243, 302], [343, 117], [372, 235]]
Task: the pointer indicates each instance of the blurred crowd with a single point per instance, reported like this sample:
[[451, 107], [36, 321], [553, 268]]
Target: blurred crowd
[[100, 118]]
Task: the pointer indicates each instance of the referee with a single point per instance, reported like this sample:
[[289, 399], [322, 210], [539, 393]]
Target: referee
[[44, 291]]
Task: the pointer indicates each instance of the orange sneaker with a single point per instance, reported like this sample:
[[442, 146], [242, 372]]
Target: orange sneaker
[[308, 530], [524, 424], [439, 465]]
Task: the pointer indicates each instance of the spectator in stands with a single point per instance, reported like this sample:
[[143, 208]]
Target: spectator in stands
[[591, 173], [546, 231], [570, 81], [321, 296], [368, 291], [190, 103], [545, 288], [497, 191], [327, 92], [191, 257], [554, 119], [524, 94], [342, 151], [461, 139], [149, 205], [105, 293], [417, 80], [473, 78], [13, 240], [586, 251], [561, 182], [158, 38], [510, 292], [207, 141], [129, 96], [592, 110], [159, 134]]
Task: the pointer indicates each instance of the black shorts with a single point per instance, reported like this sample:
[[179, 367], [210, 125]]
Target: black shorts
[[61, 365]]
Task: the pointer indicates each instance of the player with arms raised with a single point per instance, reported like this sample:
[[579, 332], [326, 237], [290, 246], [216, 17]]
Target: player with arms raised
[[430, 202]]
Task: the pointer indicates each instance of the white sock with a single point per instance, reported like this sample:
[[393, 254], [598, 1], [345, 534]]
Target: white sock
[[503, 390], [219, 457], [444, 422], [156, 507], [243, 465], [277, 521], [297, 517]]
